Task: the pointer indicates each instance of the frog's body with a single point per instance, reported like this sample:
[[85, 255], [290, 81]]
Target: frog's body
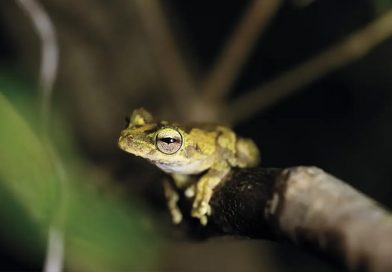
[[188, 150]]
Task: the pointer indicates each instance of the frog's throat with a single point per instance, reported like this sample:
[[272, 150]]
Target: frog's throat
[[192, 168]]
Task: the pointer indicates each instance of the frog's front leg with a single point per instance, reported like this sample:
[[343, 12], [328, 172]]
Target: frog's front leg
[[204, 189], [172, 198]]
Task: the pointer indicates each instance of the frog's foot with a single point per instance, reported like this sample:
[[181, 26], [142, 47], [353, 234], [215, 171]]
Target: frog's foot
[[176, 215], [172, 199], [204, 189], [202, 213], [201, 208]]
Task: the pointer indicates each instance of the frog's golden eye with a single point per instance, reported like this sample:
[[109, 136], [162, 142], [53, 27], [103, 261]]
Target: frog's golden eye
[[168, 141]]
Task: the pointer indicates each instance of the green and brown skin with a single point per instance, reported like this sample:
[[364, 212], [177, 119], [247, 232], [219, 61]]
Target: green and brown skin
[[185, 150]]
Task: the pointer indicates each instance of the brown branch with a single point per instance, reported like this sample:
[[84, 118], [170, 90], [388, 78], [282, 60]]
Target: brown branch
[[308, 207], [228, 65], [354, 47], [311, 206], [170, 62]]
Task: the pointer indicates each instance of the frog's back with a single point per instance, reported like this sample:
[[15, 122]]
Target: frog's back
[[247, 153], [208, 127], [238, 151]]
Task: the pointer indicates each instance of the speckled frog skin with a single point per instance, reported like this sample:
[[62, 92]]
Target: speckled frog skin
[[209, 151]]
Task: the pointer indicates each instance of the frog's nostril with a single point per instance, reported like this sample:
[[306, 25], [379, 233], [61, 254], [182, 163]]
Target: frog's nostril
[[129, 138]]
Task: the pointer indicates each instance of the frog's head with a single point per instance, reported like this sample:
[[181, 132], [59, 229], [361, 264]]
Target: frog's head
[[164, 144]]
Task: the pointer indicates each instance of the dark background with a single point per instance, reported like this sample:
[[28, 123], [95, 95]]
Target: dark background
[[341, 122]]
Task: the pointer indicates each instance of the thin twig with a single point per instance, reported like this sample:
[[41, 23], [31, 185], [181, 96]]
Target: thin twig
[[49, 52], [171, 64], [354, 47], [55, 251], [237, 49], [48, 71]]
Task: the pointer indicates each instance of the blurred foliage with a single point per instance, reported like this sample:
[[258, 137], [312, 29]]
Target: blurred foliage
[[25, 168], [383, 5], [102, 231]]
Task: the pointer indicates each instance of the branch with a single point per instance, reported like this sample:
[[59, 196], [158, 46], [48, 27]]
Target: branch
[[54, 259], [237, 49], [308, 207], [170, 63], [354, 47], [49, 53]]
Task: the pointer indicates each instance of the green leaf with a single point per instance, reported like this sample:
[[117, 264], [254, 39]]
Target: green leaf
[[102, 232], [105, 234], [26, 170]]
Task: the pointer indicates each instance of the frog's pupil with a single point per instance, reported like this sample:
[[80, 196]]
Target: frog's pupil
[[168, 140]]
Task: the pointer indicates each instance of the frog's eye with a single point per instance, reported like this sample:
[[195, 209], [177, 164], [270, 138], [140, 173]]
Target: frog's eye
[[168, 141]]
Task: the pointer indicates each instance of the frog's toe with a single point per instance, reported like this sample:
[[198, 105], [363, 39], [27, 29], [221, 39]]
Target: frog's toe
[[202, 211], [190, 191], [199, 209], [176, 217], [196, 212], [203, 220], [204, 208], [209, 211]]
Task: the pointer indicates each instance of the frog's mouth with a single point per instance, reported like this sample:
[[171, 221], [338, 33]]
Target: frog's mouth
[[121, 143]]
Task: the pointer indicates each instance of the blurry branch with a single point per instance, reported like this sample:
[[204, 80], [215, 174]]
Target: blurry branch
[[55, 251], [226, 69], [48, 71], [49, 52], [308, 207], [354, 47], [170, 62]]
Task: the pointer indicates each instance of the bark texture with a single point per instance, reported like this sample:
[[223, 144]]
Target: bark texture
[[308, 207]]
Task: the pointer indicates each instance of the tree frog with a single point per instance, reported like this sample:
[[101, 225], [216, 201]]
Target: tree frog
[[208, 151]]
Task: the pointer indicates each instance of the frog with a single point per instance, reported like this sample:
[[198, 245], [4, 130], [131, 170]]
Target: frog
[[185, 151]]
